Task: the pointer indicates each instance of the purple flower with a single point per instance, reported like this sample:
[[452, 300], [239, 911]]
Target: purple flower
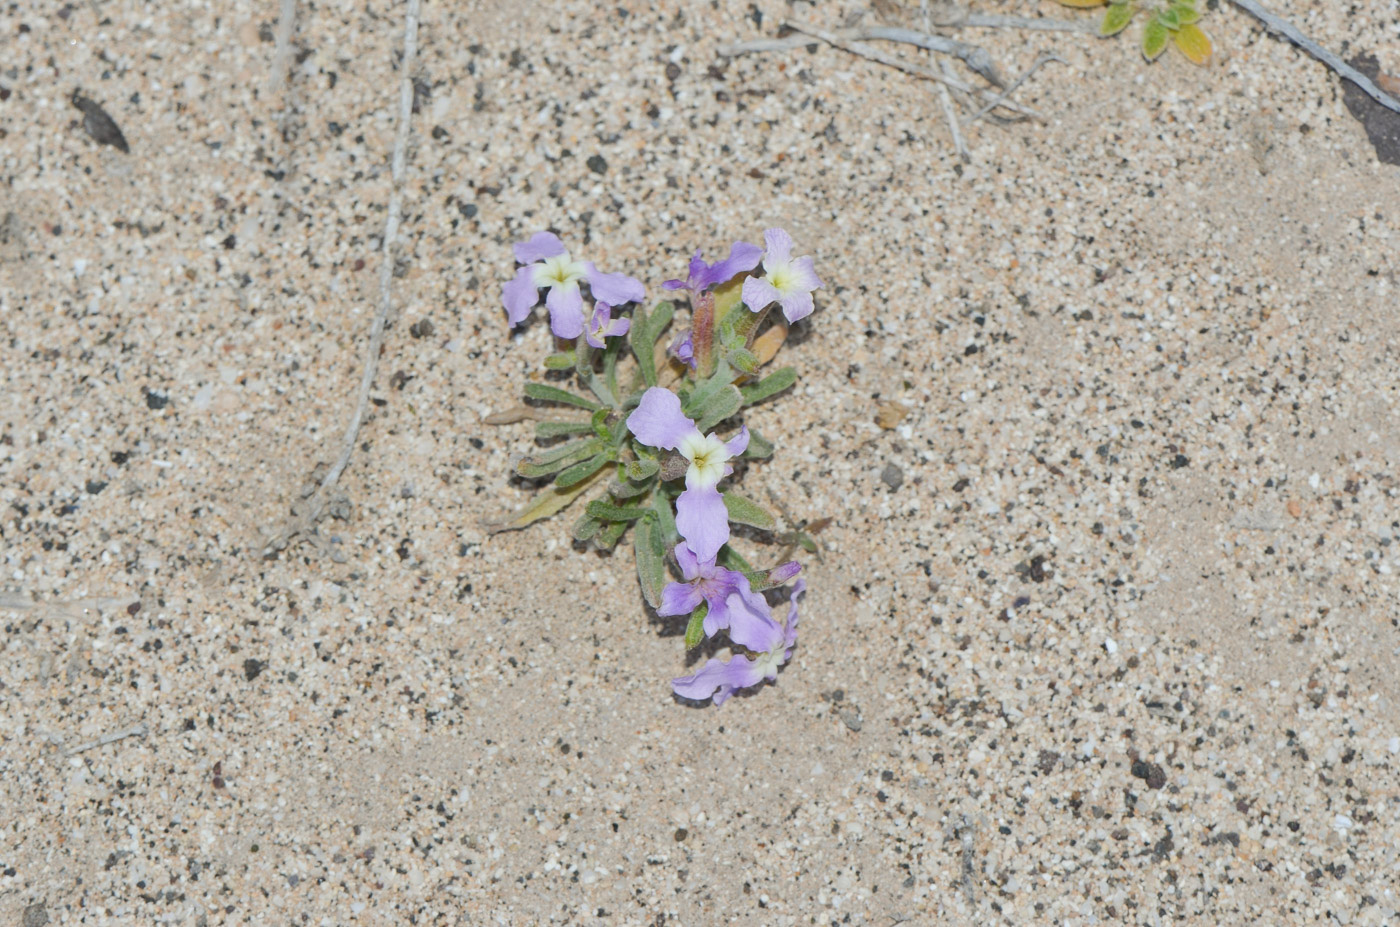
[[683, 350], [701, 516], [728, 593], [602, 325], [789, 283], [743, 257], [548, 266], [772, 644]]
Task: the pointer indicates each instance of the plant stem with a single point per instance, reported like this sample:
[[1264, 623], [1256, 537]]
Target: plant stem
[[702, 334]]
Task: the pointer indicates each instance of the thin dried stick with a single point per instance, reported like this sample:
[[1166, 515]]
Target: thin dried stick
[[970, 21], [950, 113], [974, 56], [945, 96], [874, 54], [309, 514], [1001, 100], [1290, 32], [282, 56], [136, 730]]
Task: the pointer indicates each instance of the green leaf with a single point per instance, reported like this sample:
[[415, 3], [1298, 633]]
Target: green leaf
[[1170, 18], [718, 408], [730, 559], [642, 468], [600, 425], [556, 459], [550, 502], [759, 447], [650, 550], [598, 508], [646, 330], [1187, 15], [555, 429], [695, 627], [705, 390], [774, 383], [580, 471], [743, 360], [1154, 39], [562, 361], [607, 538], [745, 511], [1116, 19], [627, 490], [586, 527], [665, 521], [547, 393]]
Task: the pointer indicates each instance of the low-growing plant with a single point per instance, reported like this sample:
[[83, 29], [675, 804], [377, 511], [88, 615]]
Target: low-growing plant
[[1173, 21], [656, 430]]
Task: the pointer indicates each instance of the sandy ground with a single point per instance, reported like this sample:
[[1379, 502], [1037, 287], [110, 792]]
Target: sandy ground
[[1120, 646]]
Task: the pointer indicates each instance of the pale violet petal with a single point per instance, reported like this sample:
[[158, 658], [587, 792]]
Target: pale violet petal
[[659, 422], [540, 246], [702, 520], [758, 294], [565, 310], [520, 296]]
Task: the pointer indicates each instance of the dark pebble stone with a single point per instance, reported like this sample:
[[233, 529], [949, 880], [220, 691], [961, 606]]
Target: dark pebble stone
[[252, 668], [597, 164], [892, 476]]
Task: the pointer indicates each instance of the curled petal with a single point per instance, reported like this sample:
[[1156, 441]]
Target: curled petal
[[758, 294], [738, 673], [673, 285], [683, 350], [779, 250], [702, 520], [679, 599], [520, 296], [739, 443], [743, 257], [565, 310], [659, 422], [690, 566], [613, 289], [796, 305], [784, 572], [746, 616], [540, 246]]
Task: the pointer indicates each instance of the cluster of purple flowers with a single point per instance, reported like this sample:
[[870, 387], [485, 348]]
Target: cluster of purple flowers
[[655, 444]]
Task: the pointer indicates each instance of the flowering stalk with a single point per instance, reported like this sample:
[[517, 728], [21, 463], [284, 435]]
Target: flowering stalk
[[667, 433]]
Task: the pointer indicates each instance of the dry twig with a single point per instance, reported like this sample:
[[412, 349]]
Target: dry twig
[[1291, 32], [1001, 100], [136, 730], [310, 512], [874, 54]]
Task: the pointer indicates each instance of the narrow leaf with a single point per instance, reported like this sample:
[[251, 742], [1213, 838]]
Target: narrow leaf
[[705, 390], [607, 538], [580, 471], [555, 429], [1186, 15], [719, 407], [665, 521], [1154, 39], [774, 383], [547, 393], [759, 447], [586, 527], [606, 511], [1170, 19], [642, 344], [557, 459], [1194, 43], [730, 559], [619, 489], [550, 502], [600, 425], [641, 468], [745, 511], [650, 551], [743, 360], [695, 627], [1083, 4]]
